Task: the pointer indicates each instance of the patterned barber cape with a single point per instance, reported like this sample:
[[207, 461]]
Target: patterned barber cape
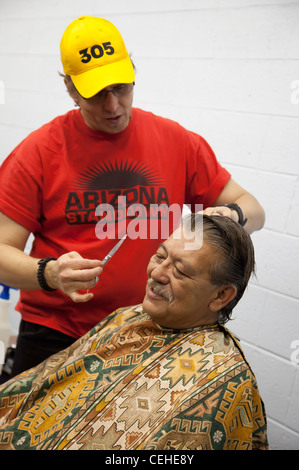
[[130, 384]]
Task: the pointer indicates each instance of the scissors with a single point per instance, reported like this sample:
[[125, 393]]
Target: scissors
[[114, 250], [111, 253]]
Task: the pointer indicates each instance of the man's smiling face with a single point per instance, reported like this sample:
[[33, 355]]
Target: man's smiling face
[[179, 292]]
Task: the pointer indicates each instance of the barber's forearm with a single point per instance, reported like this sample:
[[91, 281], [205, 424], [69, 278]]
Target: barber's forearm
[[252, 211], [17, 269], [70, 273], [251, 208]]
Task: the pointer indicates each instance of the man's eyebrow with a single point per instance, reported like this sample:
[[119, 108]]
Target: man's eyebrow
[[164, 247], [187, 267]]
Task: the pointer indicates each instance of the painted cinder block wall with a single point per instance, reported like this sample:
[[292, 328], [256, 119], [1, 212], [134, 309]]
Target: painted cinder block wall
[[228, 70]]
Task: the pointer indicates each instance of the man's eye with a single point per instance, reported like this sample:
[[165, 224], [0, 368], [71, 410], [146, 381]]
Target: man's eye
[[180, 273], [158, 256]]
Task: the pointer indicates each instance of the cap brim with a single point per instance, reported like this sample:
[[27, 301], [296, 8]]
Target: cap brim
[[93, 81]]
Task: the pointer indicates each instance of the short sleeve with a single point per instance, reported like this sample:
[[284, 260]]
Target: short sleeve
[[206, 177], [21, 186]]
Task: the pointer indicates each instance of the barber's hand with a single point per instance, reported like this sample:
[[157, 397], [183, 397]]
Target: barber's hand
[[71, 273], [221, 210]]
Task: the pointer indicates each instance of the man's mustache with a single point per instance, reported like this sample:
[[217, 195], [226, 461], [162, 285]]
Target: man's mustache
[[158, 288]]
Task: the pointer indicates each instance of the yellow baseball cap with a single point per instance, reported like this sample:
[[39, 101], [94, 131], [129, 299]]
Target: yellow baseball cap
[[94, 54]]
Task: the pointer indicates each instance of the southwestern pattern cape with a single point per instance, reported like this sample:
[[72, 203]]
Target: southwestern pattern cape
[[131, 384]]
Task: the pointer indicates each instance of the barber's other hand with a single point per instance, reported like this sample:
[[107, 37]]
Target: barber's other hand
[[73, 275], [221, 210]]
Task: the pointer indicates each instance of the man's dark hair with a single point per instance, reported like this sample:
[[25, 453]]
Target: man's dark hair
[[235, 263]]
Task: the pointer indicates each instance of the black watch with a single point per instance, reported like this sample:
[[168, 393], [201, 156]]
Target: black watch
[[235, 207], [41, 273]]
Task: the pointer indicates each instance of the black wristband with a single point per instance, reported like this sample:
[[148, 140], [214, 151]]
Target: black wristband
[[41, 273], [235, 207]]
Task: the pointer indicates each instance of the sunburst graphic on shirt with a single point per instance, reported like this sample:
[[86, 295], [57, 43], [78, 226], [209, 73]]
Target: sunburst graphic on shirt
[[116, 176]]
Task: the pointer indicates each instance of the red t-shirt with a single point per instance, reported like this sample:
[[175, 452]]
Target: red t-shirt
[[55, 179]]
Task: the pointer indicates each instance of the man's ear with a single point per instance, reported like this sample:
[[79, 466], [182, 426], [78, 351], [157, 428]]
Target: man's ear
[[223, 296]]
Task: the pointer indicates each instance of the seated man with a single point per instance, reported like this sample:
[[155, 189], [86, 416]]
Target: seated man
[[162, 375]]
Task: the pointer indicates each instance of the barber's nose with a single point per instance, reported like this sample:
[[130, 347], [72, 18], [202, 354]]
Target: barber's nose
[[110, 101]]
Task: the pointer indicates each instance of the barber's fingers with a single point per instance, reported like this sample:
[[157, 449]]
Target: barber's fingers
[[80, 295], [74, 274], [221, 211], [80, 292], [75, 261], [95, 281], [87, 274]]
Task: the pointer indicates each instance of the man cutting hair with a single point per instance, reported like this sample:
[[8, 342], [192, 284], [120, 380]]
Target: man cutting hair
[[78, 181]]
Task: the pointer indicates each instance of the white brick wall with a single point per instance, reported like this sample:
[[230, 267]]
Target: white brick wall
[[229, 70]]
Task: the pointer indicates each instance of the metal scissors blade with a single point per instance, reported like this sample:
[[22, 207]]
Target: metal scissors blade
[[114, 250], [111, 253]]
